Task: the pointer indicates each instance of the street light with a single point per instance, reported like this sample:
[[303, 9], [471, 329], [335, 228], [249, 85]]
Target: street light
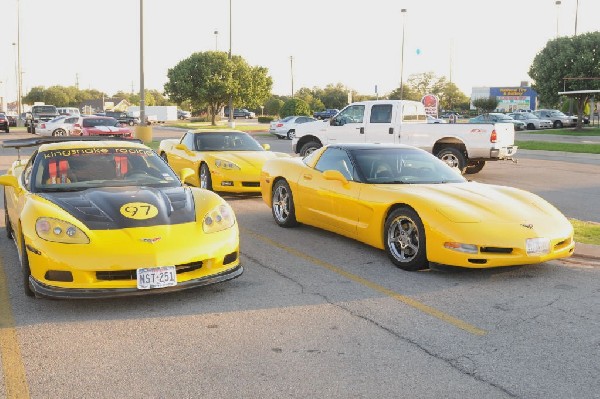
[[403, 11], [557, 2], [231, 123], [576, 12], [292, 73], [216, 40]]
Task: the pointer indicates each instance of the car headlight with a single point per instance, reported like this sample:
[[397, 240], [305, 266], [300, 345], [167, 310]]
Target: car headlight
[[57, 230], [219, 218], [226, 165]]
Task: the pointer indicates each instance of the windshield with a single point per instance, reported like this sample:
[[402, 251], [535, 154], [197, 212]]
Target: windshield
[[91, 122], [44, 109], [226, 141], [83, 168], [403, 165]]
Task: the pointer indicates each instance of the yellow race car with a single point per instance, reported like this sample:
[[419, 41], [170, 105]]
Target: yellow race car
[[224, 160], [413, 205], [105, 218]]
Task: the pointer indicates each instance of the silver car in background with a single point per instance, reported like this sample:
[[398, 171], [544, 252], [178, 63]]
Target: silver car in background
[[286, 128], [59, 126], [531, 120], [558, 118]]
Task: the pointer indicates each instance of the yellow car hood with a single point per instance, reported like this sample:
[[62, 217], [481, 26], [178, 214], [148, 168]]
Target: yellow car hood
[[247, 159], [473, 202]]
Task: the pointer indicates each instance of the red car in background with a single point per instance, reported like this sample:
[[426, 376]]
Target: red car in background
[[100, 126]]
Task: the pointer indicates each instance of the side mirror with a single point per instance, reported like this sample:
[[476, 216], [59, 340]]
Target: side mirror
[[185, 173], [335, 175], [9, 181], [266, 146]]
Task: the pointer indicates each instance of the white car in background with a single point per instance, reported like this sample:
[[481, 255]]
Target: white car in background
[[286, 127], [432, 119], [531, 120], [59, 126]]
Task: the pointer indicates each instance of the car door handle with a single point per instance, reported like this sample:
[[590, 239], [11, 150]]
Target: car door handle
[[307, 177], [391, 131], [362, 130]]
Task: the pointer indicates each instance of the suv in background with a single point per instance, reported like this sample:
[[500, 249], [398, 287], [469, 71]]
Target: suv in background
[[240, 113], [39, 114], [123, 117], [181, 114]]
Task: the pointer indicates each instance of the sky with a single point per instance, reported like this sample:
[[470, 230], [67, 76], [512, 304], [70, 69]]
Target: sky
[[310, 43]]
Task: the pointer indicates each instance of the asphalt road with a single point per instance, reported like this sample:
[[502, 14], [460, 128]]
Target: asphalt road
[[318, 315]]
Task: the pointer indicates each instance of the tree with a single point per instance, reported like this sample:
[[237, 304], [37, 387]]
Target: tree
[[273, 106], [485, 105], [308, 96], [408, 93], [295, 106], [567, 62], [208, 79]]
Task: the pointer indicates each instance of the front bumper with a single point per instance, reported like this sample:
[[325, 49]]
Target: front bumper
[[49, 291]]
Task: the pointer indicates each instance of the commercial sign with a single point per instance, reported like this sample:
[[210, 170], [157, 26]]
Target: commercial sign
[[431, 103]]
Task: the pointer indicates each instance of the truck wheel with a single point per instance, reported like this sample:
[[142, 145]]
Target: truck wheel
[[474, 167], [531, 126], [453, 158], [33, 130], [130, 123], [309, 147]]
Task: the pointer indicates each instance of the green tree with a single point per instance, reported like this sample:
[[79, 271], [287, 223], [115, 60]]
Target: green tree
[[273, 106], [567, 62], [333, 96], [295, 106], [208, 79], [408, 93], [308, 96], [485, 105]]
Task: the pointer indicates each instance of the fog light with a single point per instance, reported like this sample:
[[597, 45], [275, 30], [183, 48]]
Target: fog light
[[227, 183]]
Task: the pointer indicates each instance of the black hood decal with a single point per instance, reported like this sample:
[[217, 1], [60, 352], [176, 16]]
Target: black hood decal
[[110, 208]]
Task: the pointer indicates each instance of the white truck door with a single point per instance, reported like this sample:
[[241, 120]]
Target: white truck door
[[380, 126], [348, 126], [413, 125]]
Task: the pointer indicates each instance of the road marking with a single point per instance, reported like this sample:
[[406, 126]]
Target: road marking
[[15, 380], [374, 286]]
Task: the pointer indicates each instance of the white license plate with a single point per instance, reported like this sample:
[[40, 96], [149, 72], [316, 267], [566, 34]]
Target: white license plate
[[537, 246], [156, 277]]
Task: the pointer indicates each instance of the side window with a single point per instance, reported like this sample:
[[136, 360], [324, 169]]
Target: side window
[[336, 159], [26, 175], [351, 114], [381, 113]]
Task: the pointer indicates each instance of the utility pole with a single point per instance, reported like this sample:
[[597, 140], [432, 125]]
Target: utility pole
[[142, 94], [292, 73], [19, 73], [403, 11], [231, 124]]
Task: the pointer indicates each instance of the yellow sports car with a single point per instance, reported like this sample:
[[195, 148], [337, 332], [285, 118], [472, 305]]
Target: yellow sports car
[[408, 202], [224, 160], [103, 218]]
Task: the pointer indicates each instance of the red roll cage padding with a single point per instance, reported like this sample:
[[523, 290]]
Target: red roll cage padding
[[121, 164]]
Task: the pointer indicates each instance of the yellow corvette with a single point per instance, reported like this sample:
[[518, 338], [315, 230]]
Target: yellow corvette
[[408, 202], [224, 160], [103, 218]]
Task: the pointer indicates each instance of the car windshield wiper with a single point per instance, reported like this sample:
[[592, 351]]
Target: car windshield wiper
[[61, 189]]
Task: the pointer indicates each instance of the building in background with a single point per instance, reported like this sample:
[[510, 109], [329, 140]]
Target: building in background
[[510, 99]]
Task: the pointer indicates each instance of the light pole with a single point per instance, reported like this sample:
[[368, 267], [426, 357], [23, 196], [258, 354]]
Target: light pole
[[292, 73], [557, 2], [231, 123], [216, 40], [403, 11], [142, 94], [576, 12]]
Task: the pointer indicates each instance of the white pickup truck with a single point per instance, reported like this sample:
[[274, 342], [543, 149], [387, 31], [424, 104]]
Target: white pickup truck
[[465, 146]]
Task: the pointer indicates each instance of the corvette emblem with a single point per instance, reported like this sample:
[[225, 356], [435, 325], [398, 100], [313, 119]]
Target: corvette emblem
[[527, 225], [151, 240]]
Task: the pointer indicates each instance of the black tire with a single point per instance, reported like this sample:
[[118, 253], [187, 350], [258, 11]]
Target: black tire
[[309, 147], [205, 179], [474, 167], [557, 124], [25, 269], [291, 134], [404, 240], [453, 158], [9, 230], [531, 126], [59, 132], [33, 130], [282, 204]]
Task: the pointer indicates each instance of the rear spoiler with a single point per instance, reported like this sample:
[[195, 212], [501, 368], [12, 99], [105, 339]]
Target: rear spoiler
[[35, 141]]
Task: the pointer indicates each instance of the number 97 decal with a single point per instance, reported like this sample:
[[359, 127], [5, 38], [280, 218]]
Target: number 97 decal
[[139, 210]]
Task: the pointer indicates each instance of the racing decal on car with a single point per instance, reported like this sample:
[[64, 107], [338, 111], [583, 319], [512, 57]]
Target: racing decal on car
[[92, 151], [112, 208], [138, 210]]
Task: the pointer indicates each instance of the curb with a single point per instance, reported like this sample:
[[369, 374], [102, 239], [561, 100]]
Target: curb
[[587, 251]]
